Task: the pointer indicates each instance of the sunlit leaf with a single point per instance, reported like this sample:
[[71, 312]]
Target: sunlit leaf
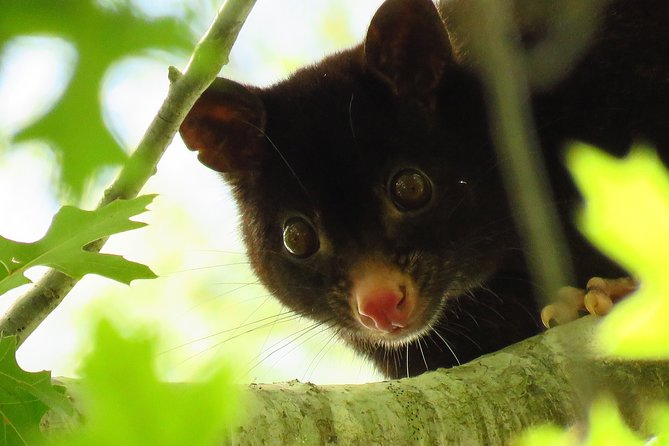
[[546, 436], [24, 398], [101, 36], [657, 423], [126, 404], [62, 246], [626, 216], [607, 427]]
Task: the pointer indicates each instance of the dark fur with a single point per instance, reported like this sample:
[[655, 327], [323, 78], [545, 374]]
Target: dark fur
[[324, 142]]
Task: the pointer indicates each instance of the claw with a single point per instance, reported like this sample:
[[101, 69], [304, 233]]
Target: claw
[[569, 301], [548, 316], [602, 293], [598, 302], [597, 299]]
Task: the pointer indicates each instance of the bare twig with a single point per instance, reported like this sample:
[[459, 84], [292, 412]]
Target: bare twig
[[209, 56], [490, 38]]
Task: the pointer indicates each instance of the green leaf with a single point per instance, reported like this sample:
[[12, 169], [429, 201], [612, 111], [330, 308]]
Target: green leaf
[[547, 435], [126, 404], [101, 36], [608, 428], [24, 398], [626, 216], [657, 423], [62, 246], [605, 428]]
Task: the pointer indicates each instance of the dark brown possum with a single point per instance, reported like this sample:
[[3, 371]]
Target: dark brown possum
[[369, 189]]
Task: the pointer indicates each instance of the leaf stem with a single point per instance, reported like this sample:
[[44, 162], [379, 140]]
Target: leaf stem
[[209, 56]]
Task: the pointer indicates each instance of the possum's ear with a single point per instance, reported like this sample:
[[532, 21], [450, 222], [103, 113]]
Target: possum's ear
[[226, 126], [407, 46]]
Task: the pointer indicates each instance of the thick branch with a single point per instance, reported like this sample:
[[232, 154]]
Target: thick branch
[[486, 402], [208, 58]]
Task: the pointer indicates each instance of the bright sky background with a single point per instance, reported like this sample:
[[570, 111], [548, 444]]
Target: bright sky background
[[206, 291]]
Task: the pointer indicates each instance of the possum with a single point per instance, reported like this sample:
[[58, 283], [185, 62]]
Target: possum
[[369, 190]]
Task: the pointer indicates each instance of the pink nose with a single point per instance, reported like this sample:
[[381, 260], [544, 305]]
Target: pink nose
[[381, 309]]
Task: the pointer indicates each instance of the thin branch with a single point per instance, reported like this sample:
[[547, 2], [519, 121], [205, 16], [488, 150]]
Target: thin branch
[[487, 32], [493, 43], [209, 56]]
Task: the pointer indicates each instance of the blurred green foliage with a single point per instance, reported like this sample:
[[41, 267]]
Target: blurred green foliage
[[24, 398], [605, 428], [127, 404], [101, 36], [626, 216], [657, 422]]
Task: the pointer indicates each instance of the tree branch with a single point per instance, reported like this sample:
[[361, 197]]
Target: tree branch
[[209, 56], [489, 34], [487, 401]]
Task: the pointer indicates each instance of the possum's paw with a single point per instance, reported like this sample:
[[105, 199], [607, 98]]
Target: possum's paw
[[598, 298], [567, 307]]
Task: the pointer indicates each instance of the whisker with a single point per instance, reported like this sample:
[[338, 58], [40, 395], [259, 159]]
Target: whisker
[[280, 254], [277, 320], [461, 333], [286, 342], [447, 345], [407, 359], [271, 328], [255, 282], [252, 313], [422, 354], [202, 268], [259, 296], [319, 354], [218, 296], [281, 317], [350, 119], [492, 309], [221, 251], [326, 328], [218, 344], [361, 364], [283, 158], [476, 321]]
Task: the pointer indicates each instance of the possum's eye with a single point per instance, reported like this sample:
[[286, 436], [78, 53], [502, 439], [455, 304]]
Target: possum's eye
[[300, 237], [410, 189]]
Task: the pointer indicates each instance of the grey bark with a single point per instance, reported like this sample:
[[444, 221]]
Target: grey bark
[[485, 402]]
